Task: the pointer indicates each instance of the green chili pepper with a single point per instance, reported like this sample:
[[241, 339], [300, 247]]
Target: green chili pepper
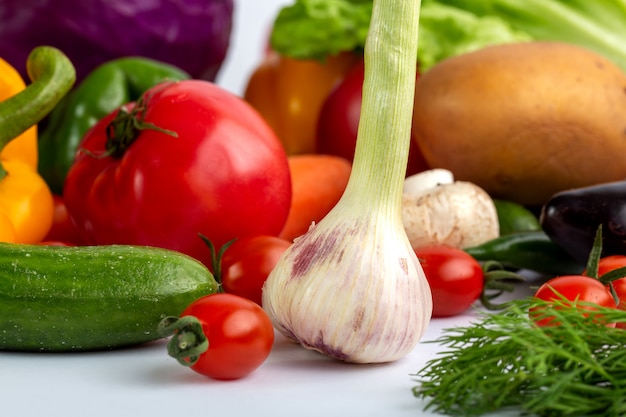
[[105, 89], [532, 250], [514, 218]]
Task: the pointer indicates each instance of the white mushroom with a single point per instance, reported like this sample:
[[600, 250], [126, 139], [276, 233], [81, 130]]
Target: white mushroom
[[436, 209]]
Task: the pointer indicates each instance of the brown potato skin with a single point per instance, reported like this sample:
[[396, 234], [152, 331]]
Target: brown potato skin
[[524, 121]]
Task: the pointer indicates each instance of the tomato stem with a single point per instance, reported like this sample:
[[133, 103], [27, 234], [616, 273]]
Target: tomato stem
[[593, 263], [594, 255], [127, 126], [188, 340], [497, 279], [216, 259]]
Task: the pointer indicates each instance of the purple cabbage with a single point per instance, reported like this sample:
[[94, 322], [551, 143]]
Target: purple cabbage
[[193, 35]]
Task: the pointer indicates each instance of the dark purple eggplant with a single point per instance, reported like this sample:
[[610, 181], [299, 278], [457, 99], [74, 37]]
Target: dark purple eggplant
[[572, 217]]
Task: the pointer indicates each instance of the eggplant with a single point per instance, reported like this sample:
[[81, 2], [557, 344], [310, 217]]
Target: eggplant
[[571, 219]]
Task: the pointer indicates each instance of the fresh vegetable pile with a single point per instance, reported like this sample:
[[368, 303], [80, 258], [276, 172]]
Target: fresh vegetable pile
[[389, 163]]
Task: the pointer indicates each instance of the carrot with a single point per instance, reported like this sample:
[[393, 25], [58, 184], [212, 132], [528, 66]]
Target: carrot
[[318, 181]]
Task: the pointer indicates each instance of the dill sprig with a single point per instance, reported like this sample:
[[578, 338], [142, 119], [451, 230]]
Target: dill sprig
[[576, 367]]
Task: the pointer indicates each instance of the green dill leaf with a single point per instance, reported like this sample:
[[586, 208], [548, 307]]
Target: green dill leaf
[[504, 360]]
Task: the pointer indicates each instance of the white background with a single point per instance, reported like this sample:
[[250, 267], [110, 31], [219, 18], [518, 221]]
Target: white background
[[253, 22], [144, 381]]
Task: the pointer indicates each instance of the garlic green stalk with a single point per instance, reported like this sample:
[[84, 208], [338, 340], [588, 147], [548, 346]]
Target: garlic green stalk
[[352, 287]]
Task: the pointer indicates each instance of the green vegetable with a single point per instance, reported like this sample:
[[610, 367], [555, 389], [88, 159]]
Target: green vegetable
[[504, 360], [317, 28], [534, 251], [597, 25], [514, 218], [105, 89], [56, 298]]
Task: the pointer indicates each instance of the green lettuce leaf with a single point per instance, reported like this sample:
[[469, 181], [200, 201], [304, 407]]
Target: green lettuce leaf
[[599, 25], [447, 31], [314, 29]]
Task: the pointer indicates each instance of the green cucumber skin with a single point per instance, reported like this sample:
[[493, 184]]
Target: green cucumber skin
[[82, 298]]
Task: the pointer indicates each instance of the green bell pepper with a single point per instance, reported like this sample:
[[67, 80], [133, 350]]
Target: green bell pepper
[[105, 89]]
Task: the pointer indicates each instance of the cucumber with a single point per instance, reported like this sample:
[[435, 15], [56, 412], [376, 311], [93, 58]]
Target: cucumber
[[82, 298]]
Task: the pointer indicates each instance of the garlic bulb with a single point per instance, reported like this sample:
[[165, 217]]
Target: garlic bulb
[[352, 287]]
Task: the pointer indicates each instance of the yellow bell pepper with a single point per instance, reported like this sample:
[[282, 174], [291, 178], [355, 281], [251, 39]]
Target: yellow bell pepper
[[26, 203], [23, 147]]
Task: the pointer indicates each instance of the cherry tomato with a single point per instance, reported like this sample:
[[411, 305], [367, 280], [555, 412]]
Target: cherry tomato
[[62, 230], [456, 279], [203, 162], [610, 263], [247, 263], [338, 121], [574, 288], [239, 333]]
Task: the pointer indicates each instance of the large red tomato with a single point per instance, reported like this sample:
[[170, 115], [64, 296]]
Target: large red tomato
[[188, 158]]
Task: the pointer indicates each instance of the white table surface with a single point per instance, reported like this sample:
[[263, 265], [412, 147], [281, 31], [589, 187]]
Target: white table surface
[[144, 381]]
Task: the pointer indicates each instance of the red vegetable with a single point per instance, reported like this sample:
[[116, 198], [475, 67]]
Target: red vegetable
[[611, 263], [575, 288], [202, 162], [62, 230], [338, 121], [456, 279], [222, 336], [247, 262]]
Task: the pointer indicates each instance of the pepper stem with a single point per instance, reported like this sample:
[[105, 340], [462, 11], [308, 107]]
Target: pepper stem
[[52, 75]]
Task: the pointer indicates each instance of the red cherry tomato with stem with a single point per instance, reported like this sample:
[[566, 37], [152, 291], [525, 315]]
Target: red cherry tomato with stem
[[222, 336]]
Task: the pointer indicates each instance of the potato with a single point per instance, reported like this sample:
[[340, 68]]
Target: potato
[[524, 121]]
